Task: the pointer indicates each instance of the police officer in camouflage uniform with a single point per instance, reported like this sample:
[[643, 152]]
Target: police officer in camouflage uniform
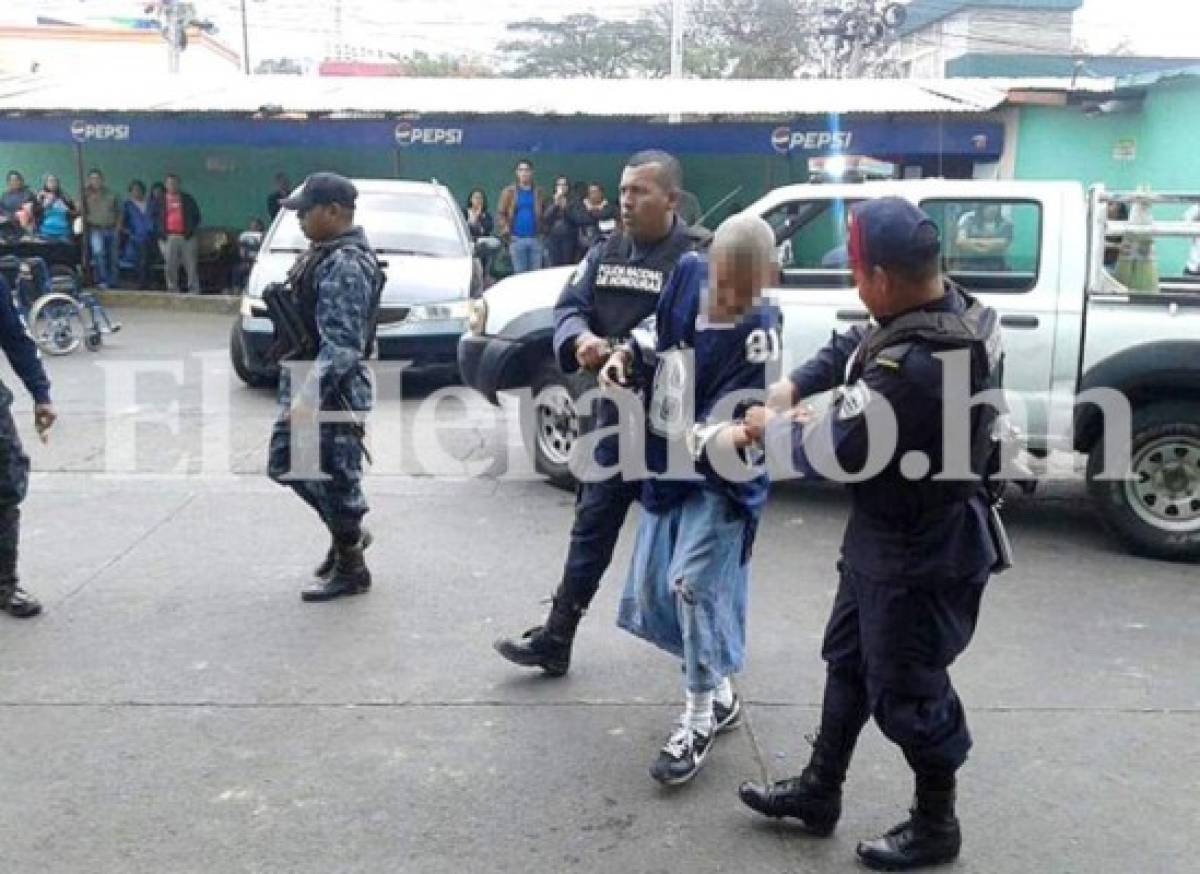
[[14, 463], [615, 288], [922, 539], [336, 286]]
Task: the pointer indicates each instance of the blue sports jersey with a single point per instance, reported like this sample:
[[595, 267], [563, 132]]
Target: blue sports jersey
[[696, 366]]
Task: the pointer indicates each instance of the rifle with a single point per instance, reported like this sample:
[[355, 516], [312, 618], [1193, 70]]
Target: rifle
[[292, 338], [293, 341]]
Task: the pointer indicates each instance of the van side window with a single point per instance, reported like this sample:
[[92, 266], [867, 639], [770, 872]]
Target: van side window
[[990, 245], [811, 235]]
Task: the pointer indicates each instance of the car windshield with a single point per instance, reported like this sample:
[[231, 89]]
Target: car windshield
[[408, 223]]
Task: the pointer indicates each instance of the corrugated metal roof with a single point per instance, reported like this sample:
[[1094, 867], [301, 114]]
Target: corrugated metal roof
[[589, 97], [1141, 80], [922, 13]]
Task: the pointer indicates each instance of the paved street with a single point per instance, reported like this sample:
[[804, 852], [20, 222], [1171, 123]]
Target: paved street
[[177, 709]]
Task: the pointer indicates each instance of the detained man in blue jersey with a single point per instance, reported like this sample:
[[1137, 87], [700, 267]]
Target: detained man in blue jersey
[[714, 337]]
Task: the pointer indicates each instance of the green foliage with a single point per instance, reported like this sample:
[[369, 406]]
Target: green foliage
[[442, 66], [586, 46], [768, 39]]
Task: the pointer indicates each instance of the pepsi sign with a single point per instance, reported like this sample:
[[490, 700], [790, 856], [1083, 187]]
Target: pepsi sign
[[407, 134], [784, 140]]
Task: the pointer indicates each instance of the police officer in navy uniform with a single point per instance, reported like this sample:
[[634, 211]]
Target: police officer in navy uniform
[[613, 290], [23, 355], [917, 552], [336, 286]]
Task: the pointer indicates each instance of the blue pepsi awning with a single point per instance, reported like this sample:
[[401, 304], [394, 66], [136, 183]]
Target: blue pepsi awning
[[808, 136]]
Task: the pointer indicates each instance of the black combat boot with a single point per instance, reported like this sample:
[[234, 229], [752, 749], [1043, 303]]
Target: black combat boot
[[325, 568], [17, 603], [930, 836], [348, 577], [814, 798], [14, 600], [547, 646]]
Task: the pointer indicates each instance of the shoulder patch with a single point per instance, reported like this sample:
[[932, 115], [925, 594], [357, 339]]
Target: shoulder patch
[[892, 357]]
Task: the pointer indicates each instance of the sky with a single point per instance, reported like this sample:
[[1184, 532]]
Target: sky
[[304, 28]]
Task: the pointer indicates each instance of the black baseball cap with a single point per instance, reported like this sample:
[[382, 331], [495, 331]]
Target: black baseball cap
[[892, 232], [322, 189]]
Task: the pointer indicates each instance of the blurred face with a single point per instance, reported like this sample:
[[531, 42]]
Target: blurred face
[[172, 183], [595, 194], [95, 180], [137, 191], [477, 199], [646, 205], [562, 187], [736, 283], [15, 182], [51, 182], [524, 175], [283, 184]]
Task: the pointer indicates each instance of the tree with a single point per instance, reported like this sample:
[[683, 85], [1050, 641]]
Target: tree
[[421, 64], [584, 45], [745, 39], [751, 39]]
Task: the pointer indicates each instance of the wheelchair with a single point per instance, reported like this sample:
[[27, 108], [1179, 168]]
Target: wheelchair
[[60, 315]]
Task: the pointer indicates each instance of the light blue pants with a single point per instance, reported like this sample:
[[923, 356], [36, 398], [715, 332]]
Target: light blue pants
[[687, 586], [527, 254]]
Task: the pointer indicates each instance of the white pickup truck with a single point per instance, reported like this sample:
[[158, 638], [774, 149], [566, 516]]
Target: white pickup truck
[[1036, 252]]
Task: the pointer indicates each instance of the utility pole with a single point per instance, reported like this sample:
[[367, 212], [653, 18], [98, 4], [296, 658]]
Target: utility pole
[[245, 41], [174, 15], [678, 13]]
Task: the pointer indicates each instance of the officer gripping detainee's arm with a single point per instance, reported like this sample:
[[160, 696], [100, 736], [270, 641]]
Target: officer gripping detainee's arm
[[873, 380]]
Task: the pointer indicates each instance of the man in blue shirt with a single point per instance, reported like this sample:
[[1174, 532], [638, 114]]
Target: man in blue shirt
[[520, 219], [14, 463]]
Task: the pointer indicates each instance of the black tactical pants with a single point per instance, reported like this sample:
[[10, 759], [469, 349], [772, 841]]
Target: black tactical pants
[[600, 511], [337, 497], [14, 483], [888, 648]]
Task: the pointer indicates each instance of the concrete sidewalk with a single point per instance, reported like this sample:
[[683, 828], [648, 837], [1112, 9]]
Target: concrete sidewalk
[[177, 709]]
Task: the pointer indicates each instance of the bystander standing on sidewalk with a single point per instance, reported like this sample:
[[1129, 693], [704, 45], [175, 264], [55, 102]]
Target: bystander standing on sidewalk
[[102, 218], [176, 219], [137, 248], [519, 216], [561, 237], [283, 188]]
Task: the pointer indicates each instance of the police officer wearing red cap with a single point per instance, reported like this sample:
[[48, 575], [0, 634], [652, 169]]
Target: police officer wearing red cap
[[918, 549], [333, 291]]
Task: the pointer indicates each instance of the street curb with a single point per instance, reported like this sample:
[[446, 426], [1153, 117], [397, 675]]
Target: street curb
[[219, 304]]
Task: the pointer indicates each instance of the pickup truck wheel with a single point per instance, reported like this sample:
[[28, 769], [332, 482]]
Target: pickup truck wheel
[[1156, 511], [555, 424]]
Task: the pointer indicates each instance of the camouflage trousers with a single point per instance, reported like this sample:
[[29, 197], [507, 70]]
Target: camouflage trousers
[[337, 496], [14, 483]]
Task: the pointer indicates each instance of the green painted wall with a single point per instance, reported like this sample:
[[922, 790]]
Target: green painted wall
[[232, 184], [1056, 143]]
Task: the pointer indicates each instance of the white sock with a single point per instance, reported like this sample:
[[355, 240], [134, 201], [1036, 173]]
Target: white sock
[[697, 713], [724, 693]]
